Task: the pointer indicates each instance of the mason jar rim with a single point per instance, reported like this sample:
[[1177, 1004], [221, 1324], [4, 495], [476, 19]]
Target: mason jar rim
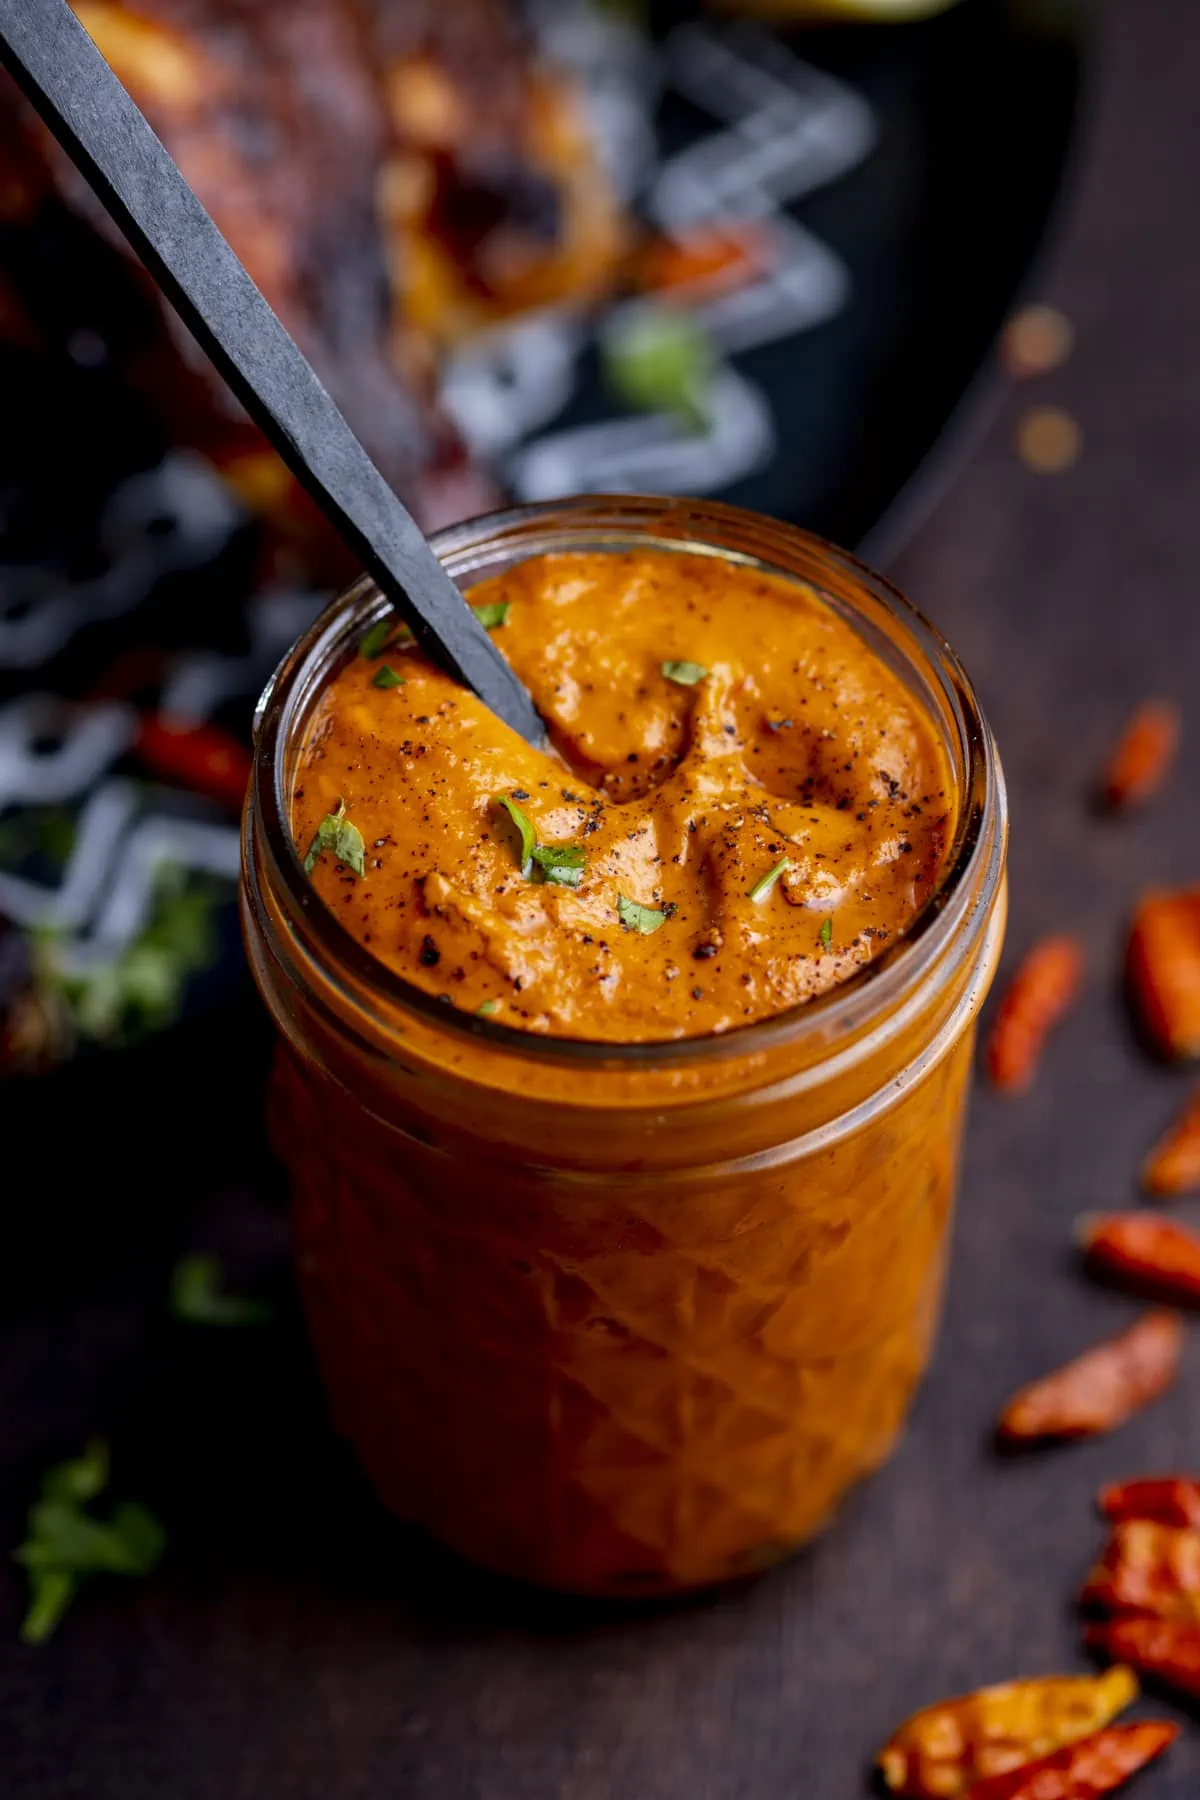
[[622, 522]]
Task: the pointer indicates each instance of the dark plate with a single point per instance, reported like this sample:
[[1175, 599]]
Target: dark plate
[[904, 176], [910, 172]]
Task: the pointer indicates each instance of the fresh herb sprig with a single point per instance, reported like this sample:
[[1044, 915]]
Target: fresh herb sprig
[[635, 917], [64, 1541], [343, 840], [659, 359], [197, 1296], [561, 864], [762, 887], [684, 674], [390, 632]]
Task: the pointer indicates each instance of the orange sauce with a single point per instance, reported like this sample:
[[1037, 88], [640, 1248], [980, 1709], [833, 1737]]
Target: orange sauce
[[751, 803], [626, 1329]]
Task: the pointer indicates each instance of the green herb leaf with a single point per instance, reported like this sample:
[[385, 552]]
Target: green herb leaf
[[528, 837], [343, 840], [51, 1591], [81, 1480], [488, 1009], [687, 674], [561, 863], [765, 883], [639, 918], [494, 613], [196, 1296], [142, 987], [63, 1536], [659, 359], [826, 933], [63, 1542], [375, 641], [386, 677]]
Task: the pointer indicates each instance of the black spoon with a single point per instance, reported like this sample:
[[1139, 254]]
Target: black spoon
[[62, 73]]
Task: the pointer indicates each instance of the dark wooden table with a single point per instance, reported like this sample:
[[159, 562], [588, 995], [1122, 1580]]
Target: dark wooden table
[[296, 1646]]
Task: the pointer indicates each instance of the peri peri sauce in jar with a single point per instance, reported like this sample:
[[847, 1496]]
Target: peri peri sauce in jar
[[621, 1080]]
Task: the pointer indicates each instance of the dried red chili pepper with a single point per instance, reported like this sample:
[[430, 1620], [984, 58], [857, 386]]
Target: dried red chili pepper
[[1173, 1166], [945, 1750], [1167, 1649], [1043, 987], [1142, 756], [200, 757], [1097, 1765], [1148, 1568], [1147, 1251], [1163, 968], [721, 257], [1169, 1499], [1100, 1389]]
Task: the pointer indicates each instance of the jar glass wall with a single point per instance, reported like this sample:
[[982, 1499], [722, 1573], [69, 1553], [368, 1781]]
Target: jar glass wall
[[624, 1318]]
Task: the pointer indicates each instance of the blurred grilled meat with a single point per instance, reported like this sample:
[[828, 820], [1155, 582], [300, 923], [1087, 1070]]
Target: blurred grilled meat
[[394, 173]]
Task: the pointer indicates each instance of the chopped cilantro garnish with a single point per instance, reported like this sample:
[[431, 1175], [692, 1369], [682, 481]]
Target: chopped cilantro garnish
[[197, 1297], [826, 933], [687, 674], [64, 1542], [494, 613], [123, 997], [386, 677], [765, 883], [562, 863], [635, 917], [81, 1480], [659, 359], [343, 840], [528, 837], [488, 1009], [375, 641]]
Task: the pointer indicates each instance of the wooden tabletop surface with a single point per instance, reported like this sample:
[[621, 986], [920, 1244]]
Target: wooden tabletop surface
[[295, 1646]]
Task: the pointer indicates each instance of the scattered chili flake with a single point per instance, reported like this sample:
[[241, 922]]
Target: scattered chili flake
[[1048, 440], [1170, 1499], [200, 757], [1173, 1166], [1166, 1649], [1146, 1251], [1095, 1766], [1163, 968], [1142, 756], [1035, 341], [1100, 1389], [945, 1750], [1147, 1568], [719, 258], [1045, 983]]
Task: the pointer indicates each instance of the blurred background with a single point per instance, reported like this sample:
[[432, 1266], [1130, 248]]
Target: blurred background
[[580, 246], [919, 278]]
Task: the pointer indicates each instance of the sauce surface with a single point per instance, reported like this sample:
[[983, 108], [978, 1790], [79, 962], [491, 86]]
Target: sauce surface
[[773, 736]]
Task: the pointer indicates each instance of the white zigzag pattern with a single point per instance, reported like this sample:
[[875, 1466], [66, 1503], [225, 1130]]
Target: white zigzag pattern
[[790, 129], [105, 896]]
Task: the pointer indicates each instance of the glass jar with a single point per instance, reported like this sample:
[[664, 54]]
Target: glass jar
[[624, 1319]]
